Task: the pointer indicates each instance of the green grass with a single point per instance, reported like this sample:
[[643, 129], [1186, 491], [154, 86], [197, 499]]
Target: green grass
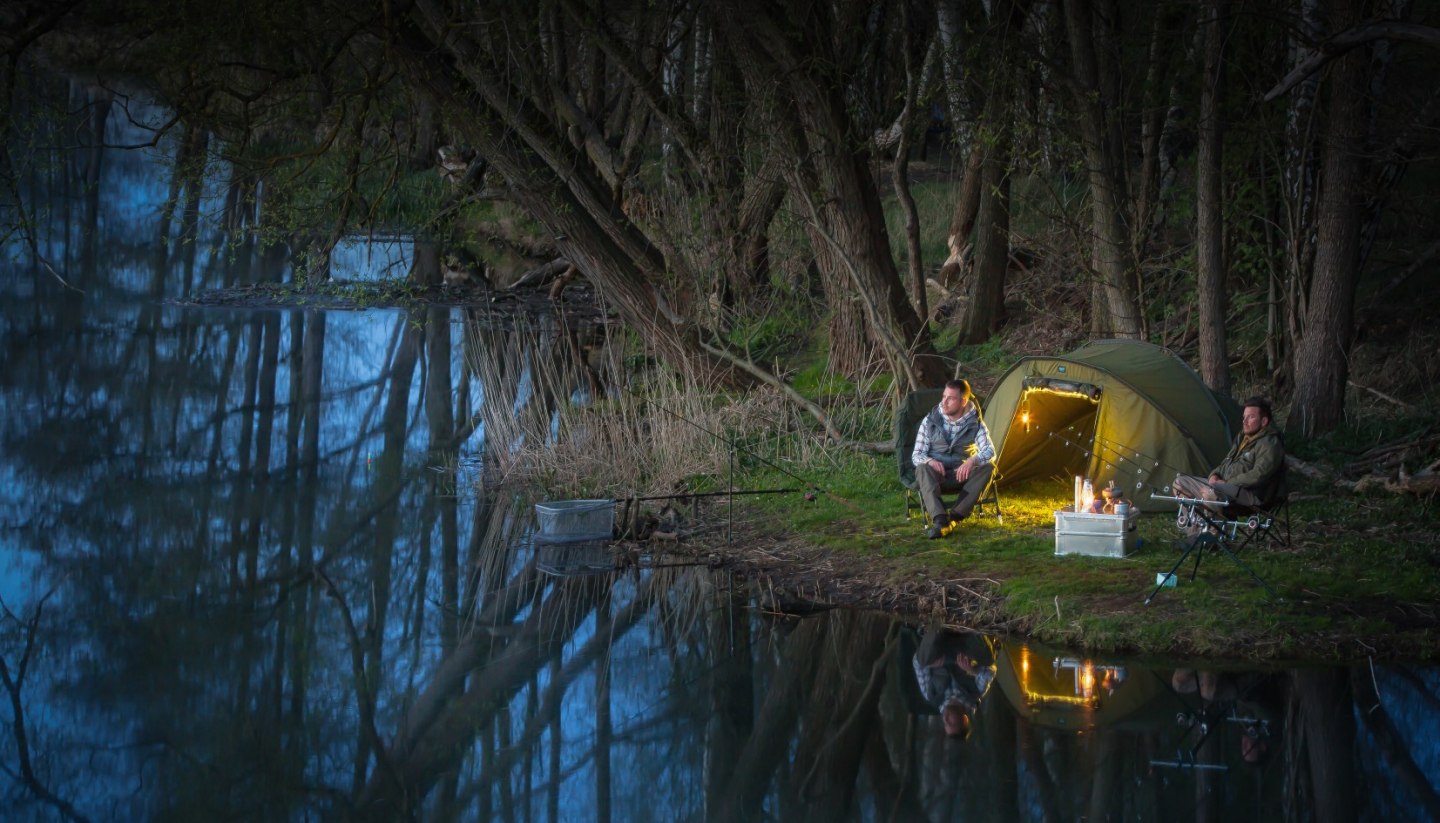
[[1361, 573]]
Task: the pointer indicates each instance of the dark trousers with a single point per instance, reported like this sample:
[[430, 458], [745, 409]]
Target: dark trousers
[[932, 486]]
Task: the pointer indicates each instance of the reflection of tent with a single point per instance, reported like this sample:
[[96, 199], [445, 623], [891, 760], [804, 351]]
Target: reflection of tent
[[1072, 694], [1121, 410]]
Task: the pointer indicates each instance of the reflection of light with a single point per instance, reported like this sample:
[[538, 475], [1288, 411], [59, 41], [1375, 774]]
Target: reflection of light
[[1085, 674]]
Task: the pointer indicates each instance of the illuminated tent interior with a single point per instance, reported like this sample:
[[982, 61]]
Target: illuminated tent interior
[[1078, 694], [1121, 410]]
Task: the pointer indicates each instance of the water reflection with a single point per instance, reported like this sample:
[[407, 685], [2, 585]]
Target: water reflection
[[259, 565]]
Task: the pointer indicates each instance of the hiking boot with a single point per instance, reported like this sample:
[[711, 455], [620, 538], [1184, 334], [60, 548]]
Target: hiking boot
[[940, 528]]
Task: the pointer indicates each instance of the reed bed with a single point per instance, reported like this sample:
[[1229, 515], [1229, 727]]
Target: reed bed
[[590, 421]]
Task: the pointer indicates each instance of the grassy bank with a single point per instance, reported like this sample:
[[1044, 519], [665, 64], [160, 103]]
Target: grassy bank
[[1361, 576]]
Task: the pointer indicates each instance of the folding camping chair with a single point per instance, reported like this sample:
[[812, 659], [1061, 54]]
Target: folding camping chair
[[916, 405], [1269, 522], [1211, 530]]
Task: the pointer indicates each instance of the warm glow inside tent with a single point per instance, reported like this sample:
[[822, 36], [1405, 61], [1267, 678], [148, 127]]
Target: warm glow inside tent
[[1078, 694], [1121, 410]]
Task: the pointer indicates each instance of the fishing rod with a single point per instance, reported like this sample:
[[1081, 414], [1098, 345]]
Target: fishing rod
[[734, 446], [811, 487], [692, 495], [1157, 463]]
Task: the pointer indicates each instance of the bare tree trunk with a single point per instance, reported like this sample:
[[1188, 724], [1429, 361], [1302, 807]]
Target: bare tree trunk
[[985, 309], [901, 177], [953, 37], [1102, 157], [1323, 350], [967, 208], [1300, 181], [952, 34], [1158, 91], [1210, 227], [550, 179]]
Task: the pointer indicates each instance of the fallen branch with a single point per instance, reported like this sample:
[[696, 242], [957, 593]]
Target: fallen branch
[[540, 275], [776, 383], [1382, 395], [1316, 473], [1422, 485], [1387, 458]]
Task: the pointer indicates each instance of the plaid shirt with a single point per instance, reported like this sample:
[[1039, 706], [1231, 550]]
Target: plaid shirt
[[984, 451], [947, 684]]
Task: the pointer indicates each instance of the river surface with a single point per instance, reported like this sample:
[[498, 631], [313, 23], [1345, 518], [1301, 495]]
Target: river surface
[[253, 568]]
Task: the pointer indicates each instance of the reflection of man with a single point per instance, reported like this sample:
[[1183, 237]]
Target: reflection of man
[[952, 453], [954, 671], [1249, 474]]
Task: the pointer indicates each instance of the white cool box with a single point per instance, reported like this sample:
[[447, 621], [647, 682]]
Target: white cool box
[[1095, 535]]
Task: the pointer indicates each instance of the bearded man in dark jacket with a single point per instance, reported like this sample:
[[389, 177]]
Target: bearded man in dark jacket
[[1250, 474]]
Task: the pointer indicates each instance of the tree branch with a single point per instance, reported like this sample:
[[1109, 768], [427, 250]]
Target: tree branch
[[1343, 42]]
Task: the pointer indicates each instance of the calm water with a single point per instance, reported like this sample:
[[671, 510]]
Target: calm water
[[254, 569]]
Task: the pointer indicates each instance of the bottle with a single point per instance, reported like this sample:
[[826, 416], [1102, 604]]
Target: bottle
[[1087, 495], [1079, 490]]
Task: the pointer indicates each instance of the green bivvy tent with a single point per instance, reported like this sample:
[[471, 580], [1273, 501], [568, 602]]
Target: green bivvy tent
[[1121, 410]]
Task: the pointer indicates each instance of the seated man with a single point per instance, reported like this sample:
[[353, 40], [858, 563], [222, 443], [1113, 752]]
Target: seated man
[[952, 453], [1249, 473], [954, 671]]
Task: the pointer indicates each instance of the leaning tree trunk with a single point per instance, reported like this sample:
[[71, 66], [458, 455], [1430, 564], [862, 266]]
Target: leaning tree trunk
[[1323, 350], [1210, 226], [578, 208], [830, 176]]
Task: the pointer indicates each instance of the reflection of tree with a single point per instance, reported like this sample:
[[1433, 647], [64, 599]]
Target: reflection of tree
[[1326, 733], [13, 679], [271, 575], [451, 709], [1393, 748]]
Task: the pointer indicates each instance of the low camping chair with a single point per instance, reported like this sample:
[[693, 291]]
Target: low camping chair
[[1268, 523], [917, 404]]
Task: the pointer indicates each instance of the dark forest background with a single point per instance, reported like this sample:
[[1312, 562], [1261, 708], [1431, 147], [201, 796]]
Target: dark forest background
[[881, 187]]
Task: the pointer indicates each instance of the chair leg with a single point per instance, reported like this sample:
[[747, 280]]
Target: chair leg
[[925, 516], [1282, 516]]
